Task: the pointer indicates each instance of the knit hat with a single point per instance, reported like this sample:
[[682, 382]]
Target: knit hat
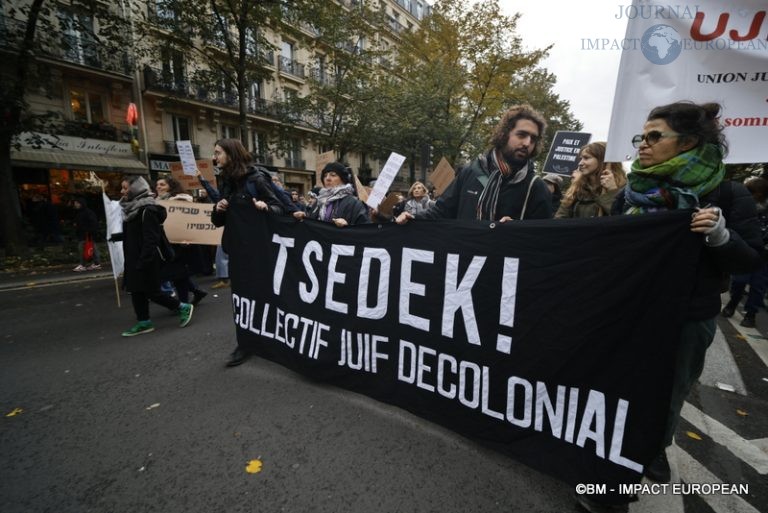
[[340, 169]]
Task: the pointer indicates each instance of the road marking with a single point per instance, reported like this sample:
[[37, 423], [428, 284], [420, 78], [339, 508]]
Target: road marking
[[35, 285], [746, 451], [754, 338], [691, 471]]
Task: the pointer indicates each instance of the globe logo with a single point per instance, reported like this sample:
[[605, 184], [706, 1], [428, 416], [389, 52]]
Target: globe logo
[[661, 44]]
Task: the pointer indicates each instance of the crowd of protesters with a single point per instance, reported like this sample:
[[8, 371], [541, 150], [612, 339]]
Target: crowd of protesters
[[679, 166]]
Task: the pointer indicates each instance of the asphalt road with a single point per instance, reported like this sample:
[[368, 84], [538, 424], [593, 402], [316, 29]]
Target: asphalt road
[[94, 422]]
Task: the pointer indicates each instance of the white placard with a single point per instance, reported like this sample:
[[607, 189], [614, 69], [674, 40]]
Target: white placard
[[385, 178], [187, 156], [705, 51]]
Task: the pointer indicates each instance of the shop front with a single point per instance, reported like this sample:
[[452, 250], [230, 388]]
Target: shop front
[[49, 171]]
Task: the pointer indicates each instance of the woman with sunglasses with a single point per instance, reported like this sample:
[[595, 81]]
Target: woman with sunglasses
[[594, 188], [680, 166]]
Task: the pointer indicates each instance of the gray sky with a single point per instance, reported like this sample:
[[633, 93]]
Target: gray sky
[[586, 76]]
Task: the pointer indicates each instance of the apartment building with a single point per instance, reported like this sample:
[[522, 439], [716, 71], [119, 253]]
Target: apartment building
[[88, 90]]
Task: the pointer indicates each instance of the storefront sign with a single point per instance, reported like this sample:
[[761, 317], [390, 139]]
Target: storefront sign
[[49, 142]]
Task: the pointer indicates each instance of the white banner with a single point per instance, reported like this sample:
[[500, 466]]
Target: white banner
[[114, 213], [707, 51]]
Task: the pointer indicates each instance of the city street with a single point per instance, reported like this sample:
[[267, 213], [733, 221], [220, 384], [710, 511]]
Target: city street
[[94, 422]]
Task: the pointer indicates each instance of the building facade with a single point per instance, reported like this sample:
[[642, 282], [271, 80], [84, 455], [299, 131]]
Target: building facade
[[87, 92]]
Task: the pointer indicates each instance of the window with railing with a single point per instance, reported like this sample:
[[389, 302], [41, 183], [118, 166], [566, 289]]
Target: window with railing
[[173, 71], [291, 67], [78, 40]]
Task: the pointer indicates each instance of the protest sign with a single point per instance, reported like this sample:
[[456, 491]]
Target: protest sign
[[189, 183], [710, 51], [385, 179], [362, 191], [463, 323], [189, 222], [187, 156], [563, 157], [442, 176], [392, 199]]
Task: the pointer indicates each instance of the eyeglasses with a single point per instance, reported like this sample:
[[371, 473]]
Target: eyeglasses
[[651, 137], [522, 134]]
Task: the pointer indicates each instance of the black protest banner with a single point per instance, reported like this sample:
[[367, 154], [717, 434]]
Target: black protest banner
[[553, 341]]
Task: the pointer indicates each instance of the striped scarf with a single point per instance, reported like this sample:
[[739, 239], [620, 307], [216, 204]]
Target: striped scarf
[[489, 198], [677, 183]]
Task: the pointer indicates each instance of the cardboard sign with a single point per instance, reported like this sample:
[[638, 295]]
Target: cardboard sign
[[187, 156], [190, 223], [563, 157], [362, 192], [392, 199], [385, 179], [320, 162], [190, 183], [442, 176]]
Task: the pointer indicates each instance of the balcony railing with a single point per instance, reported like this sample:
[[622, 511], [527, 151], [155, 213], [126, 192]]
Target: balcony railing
[[57, 45], [166, 80], [322, 76], [171, 149], [103, 131], [291, 67]]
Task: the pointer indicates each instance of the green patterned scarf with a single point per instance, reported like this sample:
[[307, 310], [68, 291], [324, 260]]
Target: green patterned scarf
[[677, 183]]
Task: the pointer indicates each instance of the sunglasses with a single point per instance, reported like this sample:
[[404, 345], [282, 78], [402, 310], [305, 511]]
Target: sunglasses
[[651, 137]]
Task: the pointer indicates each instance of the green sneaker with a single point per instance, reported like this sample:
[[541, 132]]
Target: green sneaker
[[185, 314], [139, 328]]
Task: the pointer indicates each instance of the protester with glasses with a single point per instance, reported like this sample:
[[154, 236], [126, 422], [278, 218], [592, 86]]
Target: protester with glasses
[[500, 185], [592, 192], [680, 166]]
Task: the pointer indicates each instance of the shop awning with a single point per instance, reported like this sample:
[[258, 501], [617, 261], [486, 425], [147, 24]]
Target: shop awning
[[77, 160]]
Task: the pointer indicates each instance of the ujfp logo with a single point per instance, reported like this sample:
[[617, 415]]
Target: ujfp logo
[[661, 44]]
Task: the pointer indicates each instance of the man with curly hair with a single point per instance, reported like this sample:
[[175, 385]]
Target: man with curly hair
[[500, 185]]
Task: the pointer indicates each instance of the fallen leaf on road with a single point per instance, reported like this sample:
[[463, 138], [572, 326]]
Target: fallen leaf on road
[[254, 467], [14, 412], [693, 435], [742, 413], [741, 337], [152, 406]]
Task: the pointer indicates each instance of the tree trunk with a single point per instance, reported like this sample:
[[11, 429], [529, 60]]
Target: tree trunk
[[13, 100], [10, 208]]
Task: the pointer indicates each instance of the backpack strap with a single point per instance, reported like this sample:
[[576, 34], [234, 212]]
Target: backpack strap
[[528, 195]]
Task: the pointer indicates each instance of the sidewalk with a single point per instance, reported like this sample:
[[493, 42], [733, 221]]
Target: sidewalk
[[27, 278]]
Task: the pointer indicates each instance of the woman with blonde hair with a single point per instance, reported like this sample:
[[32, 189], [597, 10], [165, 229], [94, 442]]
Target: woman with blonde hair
[[418, 199], [592, 192]]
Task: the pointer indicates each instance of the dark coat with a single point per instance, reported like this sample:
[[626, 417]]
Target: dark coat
[[240, 192], [141, 238], [348, 207], [459, 200], [86, 222], [743, 253]]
